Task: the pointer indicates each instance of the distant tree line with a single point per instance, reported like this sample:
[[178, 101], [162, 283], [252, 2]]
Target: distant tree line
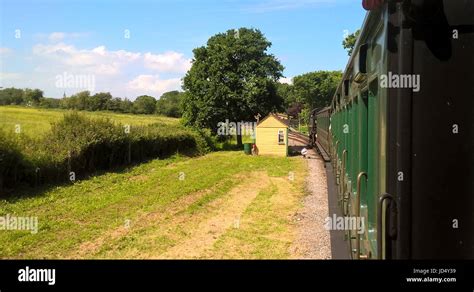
[[309, 91], [168, 105], [16, 96]]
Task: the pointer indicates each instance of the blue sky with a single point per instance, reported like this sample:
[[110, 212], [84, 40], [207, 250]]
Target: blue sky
[[44, 41]]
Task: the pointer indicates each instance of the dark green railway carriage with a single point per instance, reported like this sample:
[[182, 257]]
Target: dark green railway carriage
[[319, 130], [403, 153]]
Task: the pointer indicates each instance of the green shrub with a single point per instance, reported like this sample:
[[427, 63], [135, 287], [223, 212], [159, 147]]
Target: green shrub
[[205, 140], [11, 160], [82, 145]]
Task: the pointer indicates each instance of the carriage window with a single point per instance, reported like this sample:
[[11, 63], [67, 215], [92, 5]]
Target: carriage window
[[281, 137]]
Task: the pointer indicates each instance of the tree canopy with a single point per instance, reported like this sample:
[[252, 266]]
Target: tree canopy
[[32, 96], [286, 92], [309, 91], [349, 42], [18, 96], [232, 77], [316, 89], [170, 104], [144, 104]]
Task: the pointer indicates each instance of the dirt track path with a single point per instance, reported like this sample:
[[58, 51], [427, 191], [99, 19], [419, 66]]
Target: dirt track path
[[228, 216]]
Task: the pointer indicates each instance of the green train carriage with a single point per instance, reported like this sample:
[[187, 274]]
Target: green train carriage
[[404, 155]]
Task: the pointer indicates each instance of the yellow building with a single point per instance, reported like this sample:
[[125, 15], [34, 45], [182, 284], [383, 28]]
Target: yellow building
[[272, 136]]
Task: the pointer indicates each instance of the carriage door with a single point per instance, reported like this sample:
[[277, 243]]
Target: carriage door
[[361, 175]]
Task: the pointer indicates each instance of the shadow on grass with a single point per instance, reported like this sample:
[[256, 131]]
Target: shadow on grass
[[229, 147], [25, 191]]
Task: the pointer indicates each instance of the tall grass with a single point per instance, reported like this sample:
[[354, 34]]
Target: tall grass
[[79, 146]]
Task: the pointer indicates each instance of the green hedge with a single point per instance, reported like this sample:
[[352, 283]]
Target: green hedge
[[83, 145], [12, 162]]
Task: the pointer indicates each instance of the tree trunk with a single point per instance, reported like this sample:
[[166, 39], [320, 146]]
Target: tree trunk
[[239, 140]]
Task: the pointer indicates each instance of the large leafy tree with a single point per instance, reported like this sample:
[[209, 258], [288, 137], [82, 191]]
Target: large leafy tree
[[47, 102], [11, 96], [114, 104], [169, 104], [98, 101], [80, 100], [144, 104], [32, 96], [233, 77], [126, 106], [316, 89], [349, 42], [20, 96], [285, 91]]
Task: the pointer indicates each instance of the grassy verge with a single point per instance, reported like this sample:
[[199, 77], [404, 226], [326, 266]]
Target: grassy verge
[[144, 211]]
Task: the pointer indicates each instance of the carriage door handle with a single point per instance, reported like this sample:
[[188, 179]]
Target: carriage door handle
[[358, 194], [381, 228], [341, 178]]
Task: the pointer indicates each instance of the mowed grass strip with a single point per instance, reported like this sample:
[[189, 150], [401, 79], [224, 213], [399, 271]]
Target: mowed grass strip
[[35, 122], [265, 230], [87, 219]]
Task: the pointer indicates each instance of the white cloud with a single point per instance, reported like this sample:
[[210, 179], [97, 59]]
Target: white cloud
[[153, 84], [98, 60], [121, 72], [167, 62], [102, 61], [52, 49]]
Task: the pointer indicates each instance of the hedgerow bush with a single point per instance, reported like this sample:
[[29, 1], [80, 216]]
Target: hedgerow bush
[[207, 142], [83, 145], [12, 163]]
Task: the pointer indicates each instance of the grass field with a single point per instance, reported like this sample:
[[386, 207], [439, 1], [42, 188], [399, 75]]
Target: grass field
[[222, 205], [35, 122]]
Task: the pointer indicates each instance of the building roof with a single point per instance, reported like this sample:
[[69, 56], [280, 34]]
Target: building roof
[[279, 117]]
